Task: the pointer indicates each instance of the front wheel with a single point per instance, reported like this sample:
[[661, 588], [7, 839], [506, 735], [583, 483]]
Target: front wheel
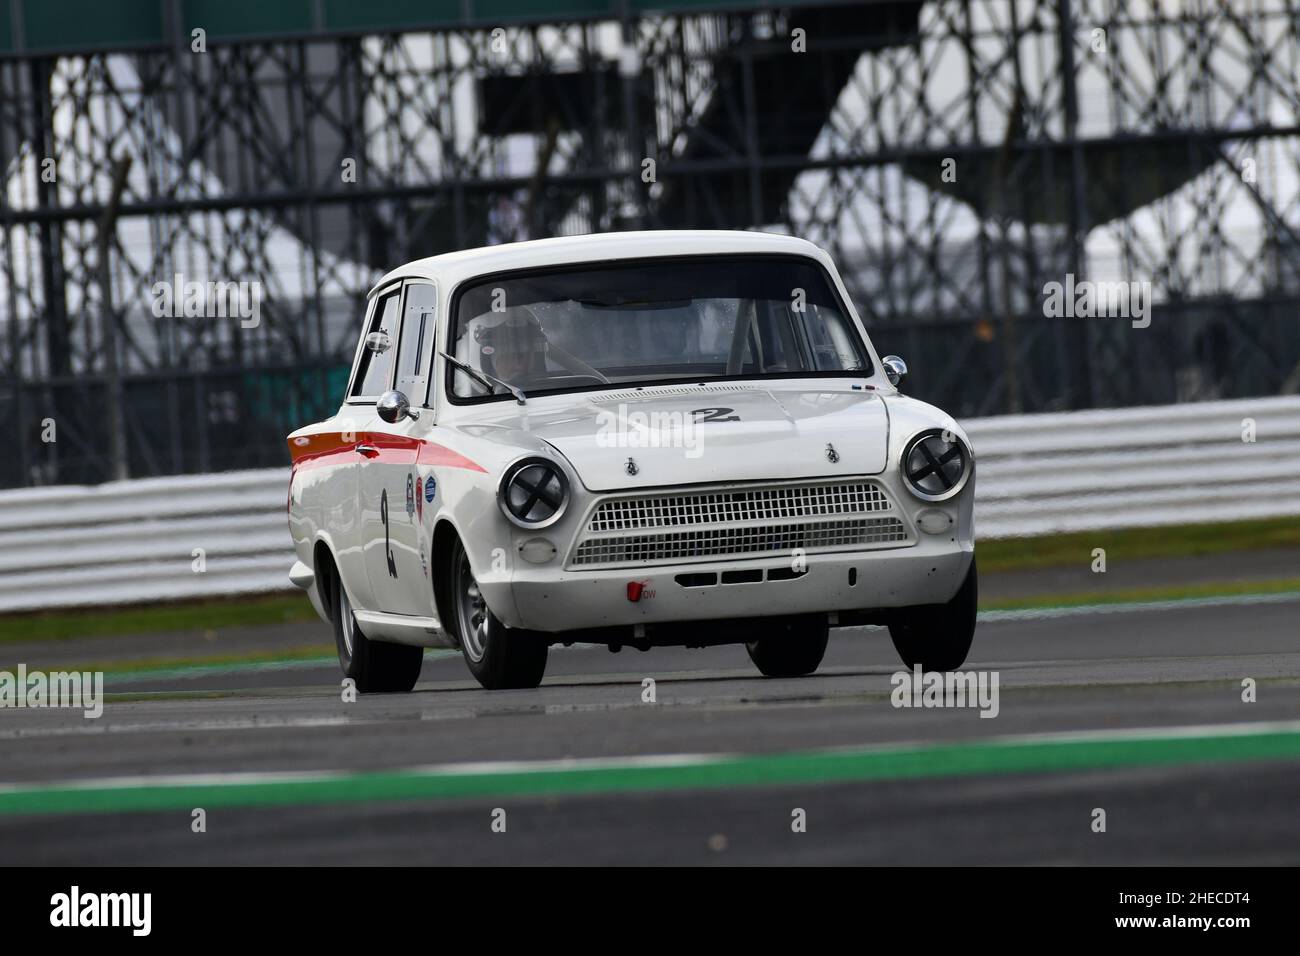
[[937, 637], [374, 666], [790, 648], [499, 657]]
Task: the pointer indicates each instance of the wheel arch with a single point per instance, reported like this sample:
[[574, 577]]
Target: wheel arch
[[496, 587], [326, 569], [445, 537]]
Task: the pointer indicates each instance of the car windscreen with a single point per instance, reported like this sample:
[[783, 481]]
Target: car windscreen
[[650, 321]]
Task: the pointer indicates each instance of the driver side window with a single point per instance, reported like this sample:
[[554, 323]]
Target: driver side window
[[377, 350]]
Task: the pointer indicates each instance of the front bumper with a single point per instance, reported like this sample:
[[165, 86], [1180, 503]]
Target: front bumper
[[552, 599]]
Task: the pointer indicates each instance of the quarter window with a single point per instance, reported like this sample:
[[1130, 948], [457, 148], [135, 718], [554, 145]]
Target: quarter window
[[414, 354]]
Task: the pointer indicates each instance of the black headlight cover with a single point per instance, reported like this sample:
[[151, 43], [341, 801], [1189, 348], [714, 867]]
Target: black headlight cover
[[936, 465], [533, 493]]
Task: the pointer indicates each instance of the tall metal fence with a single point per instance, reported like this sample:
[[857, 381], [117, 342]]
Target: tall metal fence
[[957, 157]]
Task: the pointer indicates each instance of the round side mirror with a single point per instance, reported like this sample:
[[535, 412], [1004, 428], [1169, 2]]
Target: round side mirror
[[394, 406], [895, 369]]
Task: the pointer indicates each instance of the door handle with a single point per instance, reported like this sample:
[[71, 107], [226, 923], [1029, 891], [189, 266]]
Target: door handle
[[370, 451]]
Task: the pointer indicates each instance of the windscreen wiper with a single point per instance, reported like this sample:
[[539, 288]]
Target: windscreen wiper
[[486, 380]]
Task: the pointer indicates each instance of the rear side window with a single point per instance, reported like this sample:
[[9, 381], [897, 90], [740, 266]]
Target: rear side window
[[414, 353], [377, 350]]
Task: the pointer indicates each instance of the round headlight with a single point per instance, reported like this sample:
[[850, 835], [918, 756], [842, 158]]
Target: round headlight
[[936, 465], [533, 493]]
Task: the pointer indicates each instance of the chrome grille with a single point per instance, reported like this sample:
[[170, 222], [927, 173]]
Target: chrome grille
[[716, 507], [746, 522]]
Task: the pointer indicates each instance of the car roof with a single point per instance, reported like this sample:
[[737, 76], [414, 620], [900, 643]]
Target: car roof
[[453, 267]]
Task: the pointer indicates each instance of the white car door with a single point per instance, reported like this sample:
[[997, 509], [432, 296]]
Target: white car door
[[392, 506], [339, 481]]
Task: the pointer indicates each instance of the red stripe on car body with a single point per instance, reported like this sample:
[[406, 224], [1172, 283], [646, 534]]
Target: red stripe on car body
[[329, 448], [324, 448], [431, 453]]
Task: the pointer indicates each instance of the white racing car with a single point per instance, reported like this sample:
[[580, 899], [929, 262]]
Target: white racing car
[[637, 439]]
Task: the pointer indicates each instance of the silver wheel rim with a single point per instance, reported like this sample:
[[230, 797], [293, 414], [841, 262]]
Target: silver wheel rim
[[346, 619], [472, 612]]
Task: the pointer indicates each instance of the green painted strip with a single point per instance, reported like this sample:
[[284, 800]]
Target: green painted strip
[[199, 669], [1127, 607], [1221, 589], [207, 670], [1023, 755]]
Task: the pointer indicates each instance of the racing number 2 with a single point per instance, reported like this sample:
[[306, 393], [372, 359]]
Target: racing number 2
[[716, 414]]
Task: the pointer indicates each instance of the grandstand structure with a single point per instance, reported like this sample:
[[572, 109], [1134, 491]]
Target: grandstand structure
[[955, 156]]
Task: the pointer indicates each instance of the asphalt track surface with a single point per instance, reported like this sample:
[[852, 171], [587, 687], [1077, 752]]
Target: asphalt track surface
[[1135, 711]]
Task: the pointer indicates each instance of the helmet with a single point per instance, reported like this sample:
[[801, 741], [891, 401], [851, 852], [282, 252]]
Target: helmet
[[510, 344]]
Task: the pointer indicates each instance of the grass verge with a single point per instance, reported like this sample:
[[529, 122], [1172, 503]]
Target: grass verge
[[267, 609], [1126, 544]]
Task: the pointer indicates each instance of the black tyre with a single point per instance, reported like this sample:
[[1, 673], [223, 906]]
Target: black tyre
[[499, 657], [376, 667], [793, 647], [938, 636]]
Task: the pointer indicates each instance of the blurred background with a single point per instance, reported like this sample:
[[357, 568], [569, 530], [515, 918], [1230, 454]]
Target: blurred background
[[954, 156], [1137, 500]]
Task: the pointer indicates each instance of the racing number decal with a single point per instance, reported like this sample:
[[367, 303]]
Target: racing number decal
[[388, 550], [717, 414]]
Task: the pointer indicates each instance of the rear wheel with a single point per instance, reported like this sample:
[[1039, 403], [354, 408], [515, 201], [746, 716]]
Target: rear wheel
[[499, 657], [938, 636], [374, 666], [790, 648]]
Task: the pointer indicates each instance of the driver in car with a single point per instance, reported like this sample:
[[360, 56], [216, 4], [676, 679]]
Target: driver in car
[[514, 348]]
